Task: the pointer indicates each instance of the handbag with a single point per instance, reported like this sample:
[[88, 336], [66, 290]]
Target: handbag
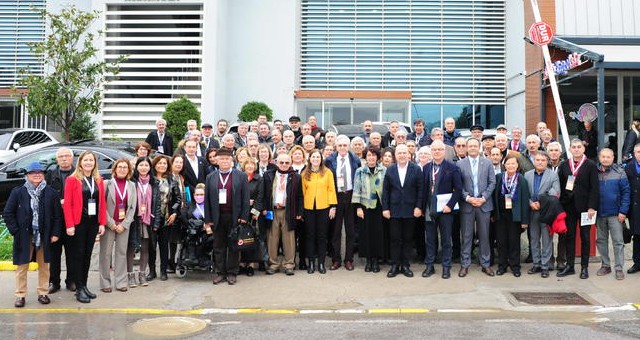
[[626, 233], [243, 237]]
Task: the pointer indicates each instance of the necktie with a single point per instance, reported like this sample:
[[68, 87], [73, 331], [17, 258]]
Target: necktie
[[474, 171], [343, 174], [206, 140], [514, 146]]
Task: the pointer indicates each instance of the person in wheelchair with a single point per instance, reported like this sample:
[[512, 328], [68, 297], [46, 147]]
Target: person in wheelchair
[[196, 244]]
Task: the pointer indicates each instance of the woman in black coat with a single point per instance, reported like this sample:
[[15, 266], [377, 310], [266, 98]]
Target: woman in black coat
[[33, 231], [249, 259]]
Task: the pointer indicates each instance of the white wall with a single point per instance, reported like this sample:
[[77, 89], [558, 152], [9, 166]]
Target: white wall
[[619, 18], [259, 52], [515, 65]]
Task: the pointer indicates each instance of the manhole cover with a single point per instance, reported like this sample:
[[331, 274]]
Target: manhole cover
[[557, 298], [168, 326]]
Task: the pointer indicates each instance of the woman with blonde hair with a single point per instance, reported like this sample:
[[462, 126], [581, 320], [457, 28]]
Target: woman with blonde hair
[[121, 208], [298, 157], [320, 200], [85, 216]]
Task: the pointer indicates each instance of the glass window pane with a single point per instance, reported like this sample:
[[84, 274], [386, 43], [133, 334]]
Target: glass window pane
[[394, 111], [337, 113], [308, 108], [462, 114], [429, 113], [489, 116], [365, 111]]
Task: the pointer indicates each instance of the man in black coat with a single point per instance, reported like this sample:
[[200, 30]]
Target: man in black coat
[[161, 140], [226, 205], [33, 217], [579, 193], [195, 168], [633, 174], [55, 178]]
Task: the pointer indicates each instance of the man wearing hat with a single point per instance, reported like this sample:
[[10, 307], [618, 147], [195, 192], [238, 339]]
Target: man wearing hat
[[501, 129], [477, 131], [33, 217], [488, 142], [294, 125], [208, 139]]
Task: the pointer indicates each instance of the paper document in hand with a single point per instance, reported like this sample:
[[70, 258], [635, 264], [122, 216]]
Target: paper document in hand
[[443, 199], [585, 220]]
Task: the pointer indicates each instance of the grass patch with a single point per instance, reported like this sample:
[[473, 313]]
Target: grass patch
[[6, 244]]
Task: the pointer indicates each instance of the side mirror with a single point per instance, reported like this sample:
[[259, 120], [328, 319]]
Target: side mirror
[[16, 146]]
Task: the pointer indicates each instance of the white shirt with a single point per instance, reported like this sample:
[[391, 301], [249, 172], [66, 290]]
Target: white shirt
[[402, 173], [280, 193], [194, 164], [347, 168]]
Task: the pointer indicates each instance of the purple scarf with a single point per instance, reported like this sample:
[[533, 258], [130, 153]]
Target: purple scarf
[[144, 198]]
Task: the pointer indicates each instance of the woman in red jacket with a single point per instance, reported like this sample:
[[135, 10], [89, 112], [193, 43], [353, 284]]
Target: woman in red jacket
[[85, 215]]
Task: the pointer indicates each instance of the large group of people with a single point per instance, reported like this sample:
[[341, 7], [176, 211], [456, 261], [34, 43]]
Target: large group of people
[[433, 196]]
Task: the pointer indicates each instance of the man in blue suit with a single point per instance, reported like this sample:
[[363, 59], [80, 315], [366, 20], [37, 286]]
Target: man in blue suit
[[401, 204], [478, 182], [441, 177], [343, 164]]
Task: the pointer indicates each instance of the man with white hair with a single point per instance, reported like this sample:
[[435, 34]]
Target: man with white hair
[[388, 140], [401, 137], [533, 146], [450, 132], [241, 135], [449, 152], [343, 164], [192, 124], [375, 140], [229, 142], [161, 140]]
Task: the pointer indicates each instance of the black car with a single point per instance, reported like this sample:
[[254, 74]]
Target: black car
[[12, 173]]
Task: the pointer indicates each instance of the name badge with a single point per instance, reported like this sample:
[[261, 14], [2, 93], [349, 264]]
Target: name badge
[[570, 181], [160, 149], [121, 212], [222, 196], [142, 208], [508, 203], [341, 183], [91, 207]]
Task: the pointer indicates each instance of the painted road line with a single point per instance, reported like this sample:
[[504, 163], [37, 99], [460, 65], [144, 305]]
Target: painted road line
[[398, 311], [637, 305], [626, 307], [9, 266], [468, 311], [362, 321], [317, 311], [100, 311]]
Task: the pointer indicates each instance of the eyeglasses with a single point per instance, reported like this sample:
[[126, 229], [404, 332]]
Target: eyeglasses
[[122, 167], [198, 194], [284, 163], [460, 146]]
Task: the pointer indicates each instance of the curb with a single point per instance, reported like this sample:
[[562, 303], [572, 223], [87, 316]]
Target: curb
[[9, 266]]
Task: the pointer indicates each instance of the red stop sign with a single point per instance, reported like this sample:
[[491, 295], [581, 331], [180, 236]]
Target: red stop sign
[[541, 33]]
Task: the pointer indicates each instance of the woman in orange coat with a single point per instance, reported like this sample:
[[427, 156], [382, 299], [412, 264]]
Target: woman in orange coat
[[320, 202], [85, 215]]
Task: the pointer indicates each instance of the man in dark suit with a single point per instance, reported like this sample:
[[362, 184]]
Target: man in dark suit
[[161, 140], [194, 167], [419, 135], [343, 164], [580, 192], [516, 143], [478, 182], [208, 139], [367, 129], [542, 181], [402, 196], [388, 140], [226, 204], [633, 174], [441, 177]]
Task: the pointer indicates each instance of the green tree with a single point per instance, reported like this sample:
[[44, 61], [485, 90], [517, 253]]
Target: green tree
[[73, 77], [177, 114], [250, 111], [83, 127]]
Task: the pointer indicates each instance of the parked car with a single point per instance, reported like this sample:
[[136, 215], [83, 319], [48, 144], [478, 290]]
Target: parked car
[[12, 173], [16, 142]]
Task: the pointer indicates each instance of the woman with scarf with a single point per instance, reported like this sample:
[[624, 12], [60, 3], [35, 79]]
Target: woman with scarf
[[264, 159], [511, 200], [170, 202], [320, 201], [121, 207], [175, 229], [32, 215], [367, 195], [148, 197], [85, 216]]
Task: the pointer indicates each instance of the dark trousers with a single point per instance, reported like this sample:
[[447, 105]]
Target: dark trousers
[[160, 239], [344, 213], [401, 233], [508, 242], [301, 241], [455, 235], [443, 223], [569, 239], [419, 237], [55, 265], [227, 261], [636, 250], [316, 222], [82, 243]]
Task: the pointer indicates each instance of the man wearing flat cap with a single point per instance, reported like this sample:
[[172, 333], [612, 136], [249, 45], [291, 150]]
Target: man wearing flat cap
[[477, 131], [208, 139]]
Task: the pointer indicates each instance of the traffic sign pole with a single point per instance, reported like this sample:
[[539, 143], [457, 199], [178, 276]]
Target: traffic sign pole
[[552, 81]]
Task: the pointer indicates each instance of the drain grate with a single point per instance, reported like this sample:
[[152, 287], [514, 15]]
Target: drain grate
[[554, 298]]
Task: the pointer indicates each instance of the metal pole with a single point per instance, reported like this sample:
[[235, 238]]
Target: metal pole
[[553, 84], [600, 106]]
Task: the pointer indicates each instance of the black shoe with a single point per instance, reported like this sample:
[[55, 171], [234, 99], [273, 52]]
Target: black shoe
[[560, 267], [375, 267], [152, 275], [71, 287], [393, 271], [171, 268], [19, 302], [501, 271], [545, 273], [89, 293], [634, 269], [566, 271], [407, 271], [321, 268], [368, 266], [82, 296], [584, 273], [302, 265], [163, 276], [428, 271], [534, 270], [516, 273], [312, 266], [53, 288], [250, 271], [446, 273]]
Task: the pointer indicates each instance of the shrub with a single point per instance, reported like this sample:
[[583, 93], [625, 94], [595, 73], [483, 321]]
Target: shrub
[[83, 127], [250, 111], [177, 114]]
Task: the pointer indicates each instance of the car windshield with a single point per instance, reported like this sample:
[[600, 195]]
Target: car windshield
[[5, 138]]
